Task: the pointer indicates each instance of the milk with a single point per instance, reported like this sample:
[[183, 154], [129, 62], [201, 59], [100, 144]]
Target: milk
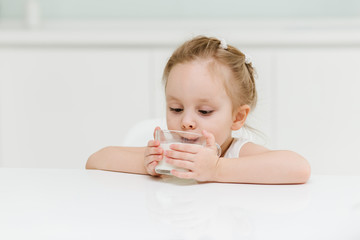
[[164, 167]]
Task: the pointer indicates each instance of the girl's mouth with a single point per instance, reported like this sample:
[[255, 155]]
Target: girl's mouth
[[188, 140]]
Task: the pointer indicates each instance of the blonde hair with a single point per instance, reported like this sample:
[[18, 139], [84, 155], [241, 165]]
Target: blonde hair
[[241, 88]]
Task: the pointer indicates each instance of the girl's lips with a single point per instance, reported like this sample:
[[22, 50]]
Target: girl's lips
[[189, 140]]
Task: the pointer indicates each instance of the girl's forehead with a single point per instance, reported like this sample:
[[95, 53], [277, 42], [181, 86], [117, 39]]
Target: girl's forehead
[[195, 82], [201, 71]]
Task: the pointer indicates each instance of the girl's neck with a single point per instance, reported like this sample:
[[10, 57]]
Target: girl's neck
[[226, 145]]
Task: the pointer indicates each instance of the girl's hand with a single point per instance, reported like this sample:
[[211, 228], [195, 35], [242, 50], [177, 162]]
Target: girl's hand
[[200, 161], [153, 155]]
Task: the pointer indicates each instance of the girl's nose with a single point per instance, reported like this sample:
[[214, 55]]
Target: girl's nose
[[188, 123]]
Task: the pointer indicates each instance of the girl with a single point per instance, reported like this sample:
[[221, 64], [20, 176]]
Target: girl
[[210, 89]]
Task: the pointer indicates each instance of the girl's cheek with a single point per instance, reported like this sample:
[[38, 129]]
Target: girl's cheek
[[171, 122]]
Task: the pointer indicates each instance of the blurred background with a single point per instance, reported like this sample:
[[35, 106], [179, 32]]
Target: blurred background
[[172, 9], [76, 75]]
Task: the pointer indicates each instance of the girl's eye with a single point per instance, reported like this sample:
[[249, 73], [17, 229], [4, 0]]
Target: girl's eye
[[177, 110], [204, 112]]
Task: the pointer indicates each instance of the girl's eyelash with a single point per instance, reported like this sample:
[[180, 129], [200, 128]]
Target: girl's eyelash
[[204, 112], [177, 110]]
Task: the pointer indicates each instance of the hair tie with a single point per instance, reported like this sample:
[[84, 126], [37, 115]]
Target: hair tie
[[223, 44], [247, 58]]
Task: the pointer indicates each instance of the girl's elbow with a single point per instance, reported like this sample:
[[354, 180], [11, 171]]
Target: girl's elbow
[[303, 175], [302, 169], [93, 160], [90, 163], [306, 173]]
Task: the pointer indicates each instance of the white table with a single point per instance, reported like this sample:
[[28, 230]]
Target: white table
[[90, 204]]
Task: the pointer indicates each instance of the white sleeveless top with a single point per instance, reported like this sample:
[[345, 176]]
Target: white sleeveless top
[[235, 147]]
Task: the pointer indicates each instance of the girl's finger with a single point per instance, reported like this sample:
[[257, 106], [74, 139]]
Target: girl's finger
[[156, 129], [153, 165], [151, 169], [180, 155], [210, 139], [180, 163], [184, 175], [153, 158], [153, 143], [189, 148], [153, 151]]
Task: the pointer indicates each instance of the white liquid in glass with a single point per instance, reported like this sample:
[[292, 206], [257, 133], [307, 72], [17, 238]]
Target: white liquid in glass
[[164, 167]]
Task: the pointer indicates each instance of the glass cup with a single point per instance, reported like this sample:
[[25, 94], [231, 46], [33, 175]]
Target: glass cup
[[168, 137]]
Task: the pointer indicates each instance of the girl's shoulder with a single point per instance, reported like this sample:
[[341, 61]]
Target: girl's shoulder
[[251, 148], [241, 147]]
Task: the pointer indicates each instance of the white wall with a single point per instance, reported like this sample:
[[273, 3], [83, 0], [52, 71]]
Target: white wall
[[58, 104], [67, 93], [174, 9]]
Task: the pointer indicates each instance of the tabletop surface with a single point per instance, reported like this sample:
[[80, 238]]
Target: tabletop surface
[[92, 204]]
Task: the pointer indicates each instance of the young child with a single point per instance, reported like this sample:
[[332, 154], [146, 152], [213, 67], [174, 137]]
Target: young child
[[210, 89]]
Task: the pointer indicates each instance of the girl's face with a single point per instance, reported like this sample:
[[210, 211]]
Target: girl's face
[[197, 100]]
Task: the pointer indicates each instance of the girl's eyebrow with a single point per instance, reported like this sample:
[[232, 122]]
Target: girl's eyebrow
[[171, 98], [200, 100], [204, 100]]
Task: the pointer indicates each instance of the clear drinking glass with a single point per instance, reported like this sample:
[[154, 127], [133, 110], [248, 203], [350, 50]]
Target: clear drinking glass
[[168, 137]]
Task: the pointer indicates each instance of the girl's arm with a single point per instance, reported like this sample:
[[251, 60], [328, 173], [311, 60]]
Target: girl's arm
[[121, 159], [257, 164]]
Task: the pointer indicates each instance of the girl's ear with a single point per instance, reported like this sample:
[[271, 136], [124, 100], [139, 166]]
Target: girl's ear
[[240, 116]]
